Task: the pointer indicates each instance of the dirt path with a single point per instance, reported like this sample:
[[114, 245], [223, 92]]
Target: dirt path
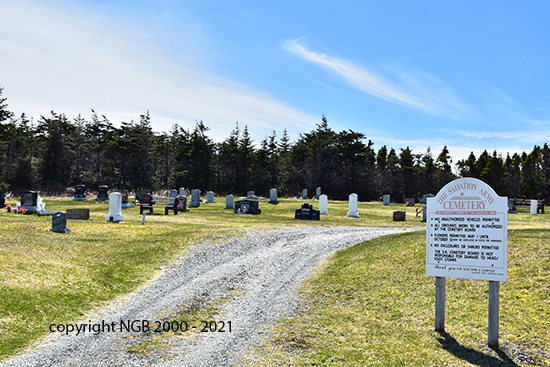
[[254, 275]]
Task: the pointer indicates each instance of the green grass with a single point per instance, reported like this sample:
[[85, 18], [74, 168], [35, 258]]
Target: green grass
[[50, 278], [372, 305]]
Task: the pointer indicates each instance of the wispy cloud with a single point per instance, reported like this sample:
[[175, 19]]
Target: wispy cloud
[[411, 88], [70, 60]]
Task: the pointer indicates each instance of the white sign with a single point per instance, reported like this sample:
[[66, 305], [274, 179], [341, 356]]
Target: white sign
[[466, 234]]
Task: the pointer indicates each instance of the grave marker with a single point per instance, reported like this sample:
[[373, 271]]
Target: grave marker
[[323, 204], [81, 214], [533, 207], [273, 197], [102, 193], [466, 237], [125, 203], [247, 206], [2, 199], [115, 208], [230, 202], [386, 200], [306, 212], [29, 201], [304, 194], [353, 206], [182, 200], [195, 199], [317, 193], [182, 191], [80, 193], [210, 197], [399, 216], [173, 193], [59, 223]]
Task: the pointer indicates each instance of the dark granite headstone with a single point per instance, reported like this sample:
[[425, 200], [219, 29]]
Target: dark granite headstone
[[59, 222], [399, 216], [80, 192], [140, 193], [182, 203], [306, 212], [125, 203], [83, 214], [409, 201], [2, 199], [247, 207], [28, 198], [102, 193]]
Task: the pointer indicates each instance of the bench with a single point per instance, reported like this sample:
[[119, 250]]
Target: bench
[[151, 201], [524, 203]]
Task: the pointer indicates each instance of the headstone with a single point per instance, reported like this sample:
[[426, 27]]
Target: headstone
[[250, 194], [409, 201], [195, 199], [140, 193], [386, 200], [317, 193], [534, 207], [247, 206], [230, 202], [182, 200], [173, 193], [82, 214], [306, 212], [102, 193], [210, 197], [182, 191], [399, 216], [273, 197], [323, 204], [80, 193], [512, 206], [304, 194], [424, 213], [353, 203], [125, 203], [115, 208], [29, 201], [59, 223], [2, 199]]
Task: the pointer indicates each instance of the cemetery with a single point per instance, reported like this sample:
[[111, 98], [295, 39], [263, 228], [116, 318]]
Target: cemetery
[[401, 300]]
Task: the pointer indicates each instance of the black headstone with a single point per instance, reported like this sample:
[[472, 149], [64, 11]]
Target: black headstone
[[29, 198], [247, 207], [59, 222], [102, 193], [140, 193], [80, 192], [2, 199], [307, 213]]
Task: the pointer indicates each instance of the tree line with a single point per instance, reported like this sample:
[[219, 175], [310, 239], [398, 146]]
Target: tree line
[[58, 153]]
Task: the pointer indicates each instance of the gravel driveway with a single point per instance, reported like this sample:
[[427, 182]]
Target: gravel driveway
[[255, 276]]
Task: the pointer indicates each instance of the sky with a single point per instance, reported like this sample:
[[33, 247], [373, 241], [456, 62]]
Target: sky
[[469, 75]]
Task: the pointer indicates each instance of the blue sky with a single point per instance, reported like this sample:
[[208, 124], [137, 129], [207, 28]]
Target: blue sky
[[471, 75]]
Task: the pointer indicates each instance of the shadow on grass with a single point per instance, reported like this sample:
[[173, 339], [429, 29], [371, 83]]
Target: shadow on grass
[[473, 356]]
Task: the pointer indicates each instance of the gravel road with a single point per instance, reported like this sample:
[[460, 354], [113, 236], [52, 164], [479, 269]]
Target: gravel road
[[255, 275]]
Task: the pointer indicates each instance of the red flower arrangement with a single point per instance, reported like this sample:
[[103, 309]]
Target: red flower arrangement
[[8, 208]]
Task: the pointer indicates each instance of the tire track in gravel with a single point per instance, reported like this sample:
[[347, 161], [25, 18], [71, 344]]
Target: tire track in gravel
[[264, 266]]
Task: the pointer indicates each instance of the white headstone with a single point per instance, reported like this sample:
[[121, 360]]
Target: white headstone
[[304, 194], [323, 204], [182, 191], [534, 207], [466, 234], [273, 196], [386, 199], [230, 202], [210, 197], [353, 202], [115, 208]]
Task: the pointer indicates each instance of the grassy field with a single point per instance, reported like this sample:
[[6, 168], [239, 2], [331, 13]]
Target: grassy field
[[58, 278]]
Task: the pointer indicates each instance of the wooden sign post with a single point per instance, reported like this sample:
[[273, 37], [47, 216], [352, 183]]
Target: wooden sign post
[[466, 237]]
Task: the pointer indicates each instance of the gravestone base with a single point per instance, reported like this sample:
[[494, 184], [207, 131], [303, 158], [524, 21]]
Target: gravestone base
[[30, 208], [79, 199], [354, 214], [114, 218], [127, 205], [43, 213]]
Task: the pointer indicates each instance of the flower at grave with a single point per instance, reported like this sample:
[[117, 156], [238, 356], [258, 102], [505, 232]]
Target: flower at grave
[[137, 202], [15, 210], [23, 211], [8, 208], [406, 203]]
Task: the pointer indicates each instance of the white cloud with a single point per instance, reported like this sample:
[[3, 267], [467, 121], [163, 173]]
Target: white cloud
[[415, 89], [71, 60]]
